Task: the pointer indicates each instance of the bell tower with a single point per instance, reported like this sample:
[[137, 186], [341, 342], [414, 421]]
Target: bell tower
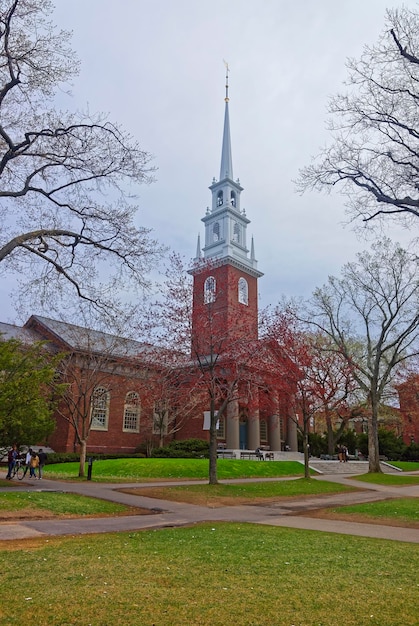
[[225, 271]]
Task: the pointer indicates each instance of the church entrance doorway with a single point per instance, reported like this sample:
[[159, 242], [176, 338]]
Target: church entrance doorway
[[243, 433]]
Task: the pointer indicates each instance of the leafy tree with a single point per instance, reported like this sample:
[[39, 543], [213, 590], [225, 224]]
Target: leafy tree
[[371, 315], [318, 444], [27, 391], [373, 157], [65, 174], [390, 444]]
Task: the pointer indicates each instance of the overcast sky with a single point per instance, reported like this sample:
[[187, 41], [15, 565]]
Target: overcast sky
[[156, 66]]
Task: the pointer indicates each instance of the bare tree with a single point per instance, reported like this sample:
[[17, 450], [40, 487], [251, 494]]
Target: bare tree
[[373, 158], [225, 362], [371, 314], [65, 210], [98, 366]]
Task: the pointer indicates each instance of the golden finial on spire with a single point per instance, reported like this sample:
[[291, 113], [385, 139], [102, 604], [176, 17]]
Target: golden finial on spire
[[226, 99]]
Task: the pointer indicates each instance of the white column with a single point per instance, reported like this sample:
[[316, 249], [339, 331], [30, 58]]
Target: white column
[[232, 426]]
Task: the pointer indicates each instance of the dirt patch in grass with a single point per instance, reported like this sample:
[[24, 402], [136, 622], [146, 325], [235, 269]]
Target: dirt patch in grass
[[214, 502], [356, 518]]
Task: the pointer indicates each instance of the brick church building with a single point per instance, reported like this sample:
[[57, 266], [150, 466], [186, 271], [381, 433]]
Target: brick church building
[[127, 399]]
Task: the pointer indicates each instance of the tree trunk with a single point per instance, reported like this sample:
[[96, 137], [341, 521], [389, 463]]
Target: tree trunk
[[330, 436], [373, 447], [213, 446], [83, 447]]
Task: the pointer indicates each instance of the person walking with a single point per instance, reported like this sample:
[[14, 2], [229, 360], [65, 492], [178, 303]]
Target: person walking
[[11, 461], [42, 456], [34, 463], [27, 461]]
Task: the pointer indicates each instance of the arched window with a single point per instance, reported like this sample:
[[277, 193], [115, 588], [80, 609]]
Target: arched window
[[100, 408], [216, 232], [220, 198], [236, 232], [263, 428], [132, 412], [233, 198], [243, 289], [210, 287]]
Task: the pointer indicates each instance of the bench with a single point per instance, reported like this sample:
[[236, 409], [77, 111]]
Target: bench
[[262, 456], [225, 454], [248, 455]]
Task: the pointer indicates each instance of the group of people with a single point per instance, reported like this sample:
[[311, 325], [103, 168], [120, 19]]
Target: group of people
[[342, 454], [33, 461]]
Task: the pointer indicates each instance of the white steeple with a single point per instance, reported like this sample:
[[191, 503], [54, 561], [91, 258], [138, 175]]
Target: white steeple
[[226, 169], [225, 223]]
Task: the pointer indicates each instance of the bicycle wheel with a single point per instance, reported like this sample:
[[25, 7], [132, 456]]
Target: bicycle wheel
[[20, 472]]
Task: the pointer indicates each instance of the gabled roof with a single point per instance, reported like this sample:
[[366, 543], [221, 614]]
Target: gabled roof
[[80, 339], [25, 335]]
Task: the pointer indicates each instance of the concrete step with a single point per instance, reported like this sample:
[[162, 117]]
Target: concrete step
[[351, 467]]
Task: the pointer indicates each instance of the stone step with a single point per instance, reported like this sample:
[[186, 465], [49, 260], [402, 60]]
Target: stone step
[[351, 467]]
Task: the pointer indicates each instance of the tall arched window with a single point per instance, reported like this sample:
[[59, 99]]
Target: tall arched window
[[216, 232], [220, 198], [210, 287], [263, 428], [236, 232], [243, 289], [132, 412], [233, 198], [221, 431], [100, 408]]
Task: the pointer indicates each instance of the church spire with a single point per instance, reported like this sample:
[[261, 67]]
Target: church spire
[[226, 169], [225, 222]]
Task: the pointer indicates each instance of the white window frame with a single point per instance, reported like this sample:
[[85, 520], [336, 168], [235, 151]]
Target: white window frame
[[99, 417], [210, 289], [243, 291], [132, 412]]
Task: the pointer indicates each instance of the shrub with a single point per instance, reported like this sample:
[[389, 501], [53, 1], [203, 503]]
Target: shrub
[[411, 453], [70, 457], [187, 449]]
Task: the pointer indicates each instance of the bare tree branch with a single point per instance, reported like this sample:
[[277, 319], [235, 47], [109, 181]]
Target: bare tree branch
[[65, 174]]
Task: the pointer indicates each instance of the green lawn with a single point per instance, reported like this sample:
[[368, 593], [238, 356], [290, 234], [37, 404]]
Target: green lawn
[[400, 509], [388, 479], [192, 469], [406, 466], [57, 504], [211, 575]]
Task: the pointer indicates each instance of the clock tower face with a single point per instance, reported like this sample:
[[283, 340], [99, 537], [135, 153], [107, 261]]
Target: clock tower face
[[225, 272]]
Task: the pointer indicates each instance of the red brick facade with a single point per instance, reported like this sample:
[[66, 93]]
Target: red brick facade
[[409, 409]]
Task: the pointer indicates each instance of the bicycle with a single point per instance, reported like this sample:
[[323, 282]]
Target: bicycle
[[19, 469]]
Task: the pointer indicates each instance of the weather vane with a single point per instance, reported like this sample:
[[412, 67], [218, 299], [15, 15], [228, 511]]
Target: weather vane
[[227, 71]]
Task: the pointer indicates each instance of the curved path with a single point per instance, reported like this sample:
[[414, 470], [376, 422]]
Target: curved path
[[169, 514]]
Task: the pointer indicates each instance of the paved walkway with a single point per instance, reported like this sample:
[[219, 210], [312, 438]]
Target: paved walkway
[[170, 514]]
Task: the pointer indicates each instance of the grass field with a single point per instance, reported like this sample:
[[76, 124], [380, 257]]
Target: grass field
[[401, 510], [23, 505], [211, 575], [406, 466], [388, 479], [172, 469]]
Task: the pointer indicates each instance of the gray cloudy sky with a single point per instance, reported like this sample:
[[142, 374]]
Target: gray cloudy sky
[[156, 66]]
